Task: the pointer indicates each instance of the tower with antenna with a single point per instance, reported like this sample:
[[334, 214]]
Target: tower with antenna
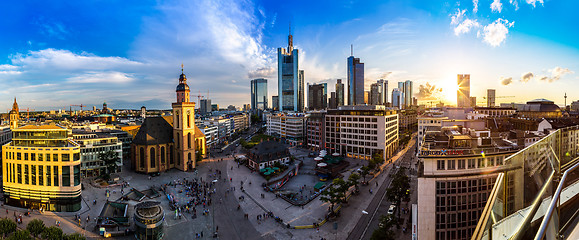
[[290, 78]]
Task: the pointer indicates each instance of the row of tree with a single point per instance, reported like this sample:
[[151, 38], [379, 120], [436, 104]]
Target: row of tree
[[337, 192], [35, 228], [398, 192]]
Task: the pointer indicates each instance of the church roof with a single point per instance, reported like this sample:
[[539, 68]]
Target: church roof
[[155, 130]]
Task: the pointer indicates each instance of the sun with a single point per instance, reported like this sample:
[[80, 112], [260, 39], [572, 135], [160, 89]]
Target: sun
[[449, 88]]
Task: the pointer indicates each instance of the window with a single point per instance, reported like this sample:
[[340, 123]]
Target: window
[[48, 177], [65, 157], [65, 176], [171, 160], [33, 172], [177, 120], [142, 157], [189, 140], [471, 163], [20, 173], [48, 157], [18, 156], [26, 179], [188, 120], [55, 175], [40, 175], [33, 156], [55, 157], [162, 155], [481, 162], [461, 164], [40, 156], [451, 164], [440, 164], [25, 156], [152, 157], [499, 160], [76, 175]]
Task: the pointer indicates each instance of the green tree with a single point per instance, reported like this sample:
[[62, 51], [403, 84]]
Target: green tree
[[7, 226], [377, 159], [384, 231], [399, 189], [74, 236], [110, 159], [35, 227], [20, 235], [254, 118], [52, 233], [364, 171], [332, 194], [353, 180]]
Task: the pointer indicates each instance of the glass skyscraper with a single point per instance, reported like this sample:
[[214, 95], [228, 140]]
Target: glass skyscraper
[[259, 94], [339, 93], [290, 79], [355, 81]]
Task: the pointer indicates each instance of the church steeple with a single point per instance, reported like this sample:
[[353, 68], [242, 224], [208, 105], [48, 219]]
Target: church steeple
[[182, 89], [15, 105]]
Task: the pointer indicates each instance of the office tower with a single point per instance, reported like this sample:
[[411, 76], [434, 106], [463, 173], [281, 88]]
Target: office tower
[[333, 104], [318, 96], [378, 93], [402, 95], [408, 86], [339, 93], [355, 81], [290, 79], [205, 107], [463, 93], [490, 97], [214, 107], [473, 101], [259, 94], [396, 97], [42, 169], [366, 97], [275, 103]]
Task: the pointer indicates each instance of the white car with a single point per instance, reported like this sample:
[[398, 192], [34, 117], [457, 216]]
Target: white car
[[391, 209]]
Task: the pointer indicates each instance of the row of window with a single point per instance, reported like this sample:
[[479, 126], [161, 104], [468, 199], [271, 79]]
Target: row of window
[[453, 164], [99, 149], [42, 175], [55, 157], [350, 119]]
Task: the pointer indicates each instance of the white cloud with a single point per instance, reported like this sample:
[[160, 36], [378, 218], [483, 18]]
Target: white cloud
[[527, 77], [532, 2], [264, 72], [475, 6], [56, 59], [496, 6], [465, 26], [556, 74], [495, 33], [515, 4], [456, 18], [102, 77], [7, 69]]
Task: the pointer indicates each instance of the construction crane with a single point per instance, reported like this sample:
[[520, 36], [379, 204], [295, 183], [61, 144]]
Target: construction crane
[[81, 106], [199, 97], [27, 113], [496, 97]]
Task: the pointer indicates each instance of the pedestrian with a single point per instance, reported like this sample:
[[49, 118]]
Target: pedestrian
[[376, 184]]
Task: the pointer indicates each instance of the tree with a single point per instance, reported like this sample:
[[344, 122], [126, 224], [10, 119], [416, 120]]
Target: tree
[[52, 233], [20, 235], [332, 194], [342, 186], [353, 180], [377, 159], [399, 189], [74, 236], [255, 118], [35, 227], [364, 171], [110, 159], [384, 231], [7, 226]]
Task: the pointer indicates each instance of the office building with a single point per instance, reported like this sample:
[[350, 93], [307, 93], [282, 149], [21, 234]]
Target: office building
[[275, 103], [378, 93], [42, 169], [290, 79], [473, 101], [458, 167], [463, 92], [405, 89], [362, 131], [259, 94], [396, 98], [91, 145], [205, 107], [318, 96], [315, 128], [333, 103], [339, 93], [490, 97], [214, 107], [288, 126], [355, 81]]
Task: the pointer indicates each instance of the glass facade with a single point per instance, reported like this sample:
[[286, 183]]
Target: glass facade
[[259, 94], [355, 81]]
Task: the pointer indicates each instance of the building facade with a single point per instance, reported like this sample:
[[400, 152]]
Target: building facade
[[396, 98], [318, 96], [362, 131], [491, 97], [288, 126], [355, 81], [259, 94], [290, 79], [41, 169], [463, 92], [315, 129], [339, 93], [205, 107], [91, 145]]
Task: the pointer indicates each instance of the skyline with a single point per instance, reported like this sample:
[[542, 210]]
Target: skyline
[[129, 54]]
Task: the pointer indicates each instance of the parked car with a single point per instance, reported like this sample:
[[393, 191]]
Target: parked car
[[391, 209]]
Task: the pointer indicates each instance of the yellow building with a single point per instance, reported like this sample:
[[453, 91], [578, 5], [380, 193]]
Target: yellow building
[[41, 169]]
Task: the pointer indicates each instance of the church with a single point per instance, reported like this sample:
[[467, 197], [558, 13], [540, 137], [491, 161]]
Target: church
[[169, 142]]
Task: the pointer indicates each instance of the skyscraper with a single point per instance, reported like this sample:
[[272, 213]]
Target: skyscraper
[[205, 106], [463, 93], [490, 97], [396, 97], [333, 104], [379, 92], [318, 96], [339, 93], [355, 81], [385, 89], [290, 78], [259, 94], [408, 86], [275, 103]]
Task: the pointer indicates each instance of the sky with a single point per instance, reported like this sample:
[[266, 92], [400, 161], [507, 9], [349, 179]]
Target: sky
[[54, 54]]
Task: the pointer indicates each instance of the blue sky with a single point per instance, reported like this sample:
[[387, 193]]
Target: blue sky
[[128, 53]]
